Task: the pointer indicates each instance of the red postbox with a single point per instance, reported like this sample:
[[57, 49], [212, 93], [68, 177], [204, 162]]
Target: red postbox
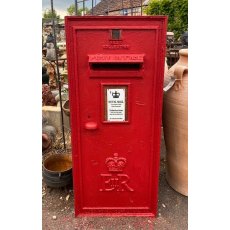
[[115, 70]]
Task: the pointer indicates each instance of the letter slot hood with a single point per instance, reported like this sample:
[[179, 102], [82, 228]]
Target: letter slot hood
[[116, 65]]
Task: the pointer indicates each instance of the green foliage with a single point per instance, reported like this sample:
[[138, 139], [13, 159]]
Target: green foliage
[[48, 14], [71, 10], [176, 10]]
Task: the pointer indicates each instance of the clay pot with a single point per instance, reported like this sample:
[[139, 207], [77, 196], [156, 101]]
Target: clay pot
[[46, 141], [65, 107], [50, 131], [57, 170], [175, 124], [166, 69], [183, 60]]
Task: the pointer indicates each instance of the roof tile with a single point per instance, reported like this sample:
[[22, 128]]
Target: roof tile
[[114, 5]]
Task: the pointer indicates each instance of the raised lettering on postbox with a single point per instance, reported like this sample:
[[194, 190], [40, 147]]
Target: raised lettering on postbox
[[116, 45], [116, 58], [115, 180]]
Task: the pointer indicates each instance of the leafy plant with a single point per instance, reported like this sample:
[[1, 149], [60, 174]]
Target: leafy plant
[[48, 14], [176, 10], [71, 10]]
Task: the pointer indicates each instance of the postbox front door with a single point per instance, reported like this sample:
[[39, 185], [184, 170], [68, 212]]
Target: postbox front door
[[115, 69]]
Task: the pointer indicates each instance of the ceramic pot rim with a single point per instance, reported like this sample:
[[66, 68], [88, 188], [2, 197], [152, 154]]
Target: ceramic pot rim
[[61, 156], [183, 52]]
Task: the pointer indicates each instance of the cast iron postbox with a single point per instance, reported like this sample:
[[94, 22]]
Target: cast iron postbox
[[116, 68]]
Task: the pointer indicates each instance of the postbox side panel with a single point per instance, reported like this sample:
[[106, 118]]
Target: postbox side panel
[[116, 72]]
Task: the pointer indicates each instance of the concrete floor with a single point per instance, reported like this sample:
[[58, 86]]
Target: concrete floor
[[172, 206]]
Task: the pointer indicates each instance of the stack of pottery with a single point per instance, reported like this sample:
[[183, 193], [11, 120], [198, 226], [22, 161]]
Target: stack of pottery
[[175, 124]]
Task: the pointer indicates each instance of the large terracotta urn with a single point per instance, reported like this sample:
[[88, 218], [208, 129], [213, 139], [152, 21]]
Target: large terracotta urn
[[183, 60], [175, 125], [166, 69]]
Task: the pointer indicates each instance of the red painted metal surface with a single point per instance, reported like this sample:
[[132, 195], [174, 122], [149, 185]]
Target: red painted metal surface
[[116, 67]]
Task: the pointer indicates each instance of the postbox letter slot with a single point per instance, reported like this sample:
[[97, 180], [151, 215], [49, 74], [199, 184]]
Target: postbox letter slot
[[116, 66]]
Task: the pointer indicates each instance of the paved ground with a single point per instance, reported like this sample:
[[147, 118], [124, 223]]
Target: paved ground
[[173, 211]]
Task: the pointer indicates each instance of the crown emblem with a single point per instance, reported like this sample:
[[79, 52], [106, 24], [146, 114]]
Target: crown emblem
[[115, 164], [116, 94]]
